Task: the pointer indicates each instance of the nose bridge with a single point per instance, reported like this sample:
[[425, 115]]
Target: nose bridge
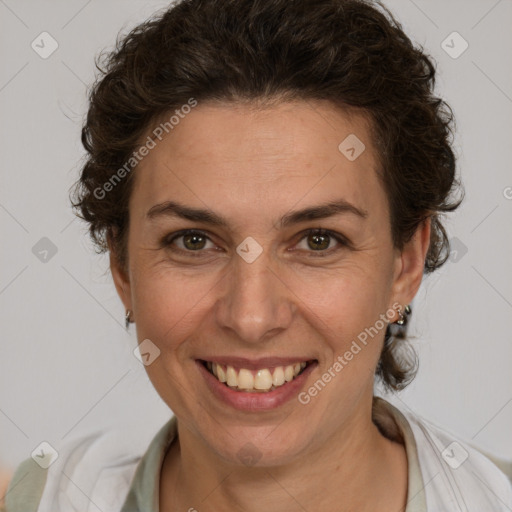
[[255, 302]]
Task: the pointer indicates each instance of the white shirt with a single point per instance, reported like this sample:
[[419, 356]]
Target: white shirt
[[97, 473]]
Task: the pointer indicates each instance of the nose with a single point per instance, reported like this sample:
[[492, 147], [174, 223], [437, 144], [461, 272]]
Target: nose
[[256, 303]]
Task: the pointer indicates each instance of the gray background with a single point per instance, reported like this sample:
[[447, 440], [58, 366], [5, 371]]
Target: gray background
[[66, 362]]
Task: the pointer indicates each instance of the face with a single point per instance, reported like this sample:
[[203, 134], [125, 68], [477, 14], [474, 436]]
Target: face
[[234, 259]]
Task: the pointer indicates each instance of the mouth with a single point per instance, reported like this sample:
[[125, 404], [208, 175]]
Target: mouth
[[259, 380]]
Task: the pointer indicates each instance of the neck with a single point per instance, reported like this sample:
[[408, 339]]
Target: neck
[[357, 468]]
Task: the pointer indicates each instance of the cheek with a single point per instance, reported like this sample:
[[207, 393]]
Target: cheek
[[345, 306], [167, 304]]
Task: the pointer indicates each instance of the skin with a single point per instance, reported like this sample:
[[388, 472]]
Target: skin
[[252, 166]]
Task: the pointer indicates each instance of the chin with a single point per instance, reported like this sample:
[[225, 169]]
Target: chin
[[258, 446]]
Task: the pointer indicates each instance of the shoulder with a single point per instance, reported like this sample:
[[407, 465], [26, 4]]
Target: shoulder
[[88, 469], [456, 473]]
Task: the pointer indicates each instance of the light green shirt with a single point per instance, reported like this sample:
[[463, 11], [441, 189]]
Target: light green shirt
[[142, 493]]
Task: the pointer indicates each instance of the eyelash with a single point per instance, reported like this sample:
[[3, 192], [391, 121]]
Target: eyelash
[[167, 242]]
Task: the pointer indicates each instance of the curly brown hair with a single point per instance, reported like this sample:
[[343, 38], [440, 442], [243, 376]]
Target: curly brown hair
[[352, 53]]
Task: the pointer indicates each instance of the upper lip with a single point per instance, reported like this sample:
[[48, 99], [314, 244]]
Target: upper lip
[[255, 364]]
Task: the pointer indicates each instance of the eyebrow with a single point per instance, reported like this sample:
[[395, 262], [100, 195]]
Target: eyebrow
[[321, 211]]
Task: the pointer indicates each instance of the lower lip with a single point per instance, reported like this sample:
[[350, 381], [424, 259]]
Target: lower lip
[[263, 401]]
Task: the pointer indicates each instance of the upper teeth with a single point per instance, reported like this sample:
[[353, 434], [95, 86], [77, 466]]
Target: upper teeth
[[258, 380]]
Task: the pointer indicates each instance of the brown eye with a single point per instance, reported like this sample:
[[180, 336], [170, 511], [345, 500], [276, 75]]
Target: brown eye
[[194, 241], [188, 241], [320, 241]]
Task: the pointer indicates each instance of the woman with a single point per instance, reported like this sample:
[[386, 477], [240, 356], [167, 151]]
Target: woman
[[268, 179]]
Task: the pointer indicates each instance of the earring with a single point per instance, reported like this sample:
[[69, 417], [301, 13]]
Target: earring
[[402, 320], [127, 318]]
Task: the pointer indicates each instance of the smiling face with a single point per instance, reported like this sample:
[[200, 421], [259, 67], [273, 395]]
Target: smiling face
[[255, 279]]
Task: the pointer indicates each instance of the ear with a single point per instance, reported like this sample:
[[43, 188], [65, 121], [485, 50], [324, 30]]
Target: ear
[[410, 264], [120, 276]]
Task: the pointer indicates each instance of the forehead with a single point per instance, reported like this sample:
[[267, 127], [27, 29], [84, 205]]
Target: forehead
[[228, 155]]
